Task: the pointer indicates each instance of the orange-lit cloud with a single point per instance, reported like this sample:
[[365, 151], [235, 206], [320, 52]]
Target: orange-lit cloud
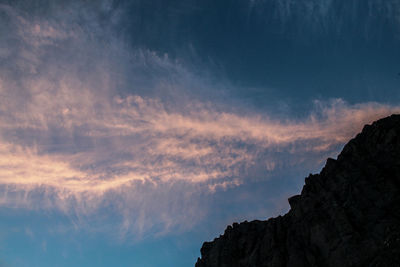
[[72, 139], [137, 139]]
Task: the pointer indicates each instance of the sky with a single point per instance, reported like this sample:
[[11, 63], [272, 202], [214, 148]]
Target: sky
[[133, 131]]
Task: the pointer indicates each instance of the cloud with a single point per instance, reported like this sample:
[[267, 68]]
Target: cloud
[[86, 142], [81, 156], [87, 125]]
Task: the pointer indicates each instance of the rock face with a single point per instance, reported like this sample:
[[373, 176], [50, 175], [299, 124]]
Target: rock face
[[348, 215]]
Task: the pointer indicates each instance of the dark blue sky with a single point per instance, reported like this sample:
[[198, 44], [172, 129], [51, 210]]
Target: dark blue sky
[[297, 49], [133, 131]]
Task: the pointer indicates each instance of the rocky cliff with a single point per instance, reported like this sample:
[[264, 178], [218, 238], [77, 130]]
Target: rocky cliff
[[348, 215]]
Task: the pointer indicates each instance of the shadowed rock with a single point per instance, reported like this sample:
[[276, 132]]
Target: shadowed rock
[[348, 215]]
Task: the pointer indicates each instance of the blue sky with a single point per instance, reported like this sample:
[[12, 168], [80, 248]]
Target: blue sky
[[133, 131]]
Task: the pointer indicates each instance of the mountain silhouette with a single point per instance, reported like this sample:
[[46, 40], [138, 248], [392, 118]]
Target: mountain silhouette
[[348, 215]]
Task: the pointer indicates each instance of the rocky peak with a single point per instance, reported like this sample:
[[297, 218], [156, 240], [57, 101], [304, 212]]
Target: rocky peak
[[348, 215]]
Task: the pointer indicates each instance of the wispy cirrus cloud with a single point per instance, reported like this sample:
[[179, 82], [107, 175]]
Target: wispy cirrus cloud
[[94, 144], [85, 125]]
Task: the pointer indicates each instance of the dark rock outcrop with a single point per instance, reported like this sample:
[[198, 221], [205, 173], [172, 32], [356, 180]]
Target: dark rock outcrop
[[348, 215]]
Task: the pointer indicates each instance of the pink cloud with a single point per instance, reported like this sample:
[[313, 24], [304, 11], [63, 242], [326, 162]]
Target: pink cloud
[[71, 140]]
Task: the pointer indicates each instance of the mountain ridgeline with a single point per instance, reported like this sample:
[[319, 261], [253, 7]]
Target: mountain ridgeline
[[348, 215]]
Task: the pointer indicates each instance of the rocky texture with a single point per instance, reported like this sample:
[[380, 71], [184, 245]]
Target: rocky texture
[[348, 215]]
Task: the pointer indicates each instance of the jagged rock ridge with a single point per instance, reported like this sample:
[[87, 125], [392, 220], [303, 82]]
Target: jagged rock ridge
[[348, 215]]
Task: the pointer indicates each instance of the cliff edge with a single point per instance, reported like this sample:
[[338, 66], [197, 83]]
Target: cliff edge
[[348, 215]]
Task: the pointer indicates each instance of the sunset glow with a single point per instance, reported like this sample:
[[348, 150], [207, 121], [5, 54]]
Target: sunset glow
[[129, 129]]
